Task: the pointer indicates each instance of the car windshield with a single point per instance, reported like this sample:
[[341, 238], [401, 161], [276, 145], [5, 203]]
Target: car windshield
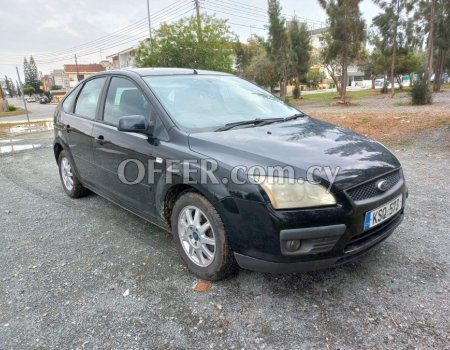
[[207, 102]]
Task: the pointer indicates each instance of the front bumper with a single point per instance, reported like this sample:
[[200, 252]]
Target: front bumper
[[353, 251], [330, 236]]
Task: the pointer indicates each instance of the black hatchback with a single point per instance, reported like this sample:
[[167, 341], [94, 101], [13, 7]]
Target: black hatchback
[[238, 176]]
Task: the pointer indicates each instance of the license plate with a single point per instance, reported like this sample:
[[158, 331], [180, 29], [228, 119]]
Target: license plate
[[377, 216]]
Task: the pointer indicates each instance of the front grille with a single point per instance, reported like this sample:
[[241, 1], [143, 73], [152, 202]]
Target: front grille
[[370, 189], [359, 241]]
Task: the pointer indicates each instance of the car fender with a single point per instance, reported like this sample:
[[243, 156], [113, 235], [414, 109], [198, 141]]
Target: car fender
[[213, 190]]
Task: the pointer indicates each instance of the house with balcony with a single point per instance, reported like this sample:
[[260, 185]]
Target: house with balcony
[[123, 59]]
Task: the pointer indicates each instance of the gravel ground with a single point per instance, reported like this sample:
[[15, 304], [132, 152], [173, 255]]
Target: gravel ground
[[85, 274]]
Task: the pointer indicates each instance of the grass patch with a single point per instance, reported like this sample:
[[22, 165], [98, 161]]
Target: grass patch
[[445, 87], [18, 111], [329, 96]]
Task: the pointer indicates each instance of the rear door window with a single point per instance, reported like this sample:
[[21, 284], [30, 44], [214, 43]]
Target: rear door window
[[87, 101]]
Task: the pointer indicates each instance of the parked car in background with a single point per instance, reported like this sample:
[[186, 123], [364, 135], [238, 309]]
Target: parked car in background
[[144, 139], [31, 99], [44, 100]]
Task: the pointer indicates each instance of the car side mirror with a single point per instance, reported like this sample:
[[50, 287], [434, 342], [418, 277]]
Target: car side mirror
[[135, 123]]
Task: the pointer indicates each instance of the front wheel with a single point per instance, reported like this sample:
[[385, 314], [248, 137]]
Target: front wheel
[[200, 237]]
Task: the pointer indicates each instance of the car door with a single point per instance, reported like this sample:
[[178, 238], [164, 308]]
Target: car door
[[78, 124], [122, 157]]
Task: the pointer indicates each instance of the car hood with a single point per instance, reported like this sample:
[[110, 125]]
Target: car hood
[[302, 143]]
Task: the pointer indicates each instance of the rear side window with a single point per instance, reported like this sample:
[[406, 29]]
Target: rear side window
[[68, 102], [88, 98], [124, 98]]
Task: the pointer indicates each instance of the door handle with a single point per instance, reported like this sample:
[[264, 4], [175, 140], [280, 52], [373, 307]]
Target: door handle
[[67, 128], [101, 140]]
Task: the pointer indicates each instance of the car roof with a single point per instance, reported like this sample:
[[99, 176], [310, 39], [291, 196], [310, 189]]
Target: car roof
[[167, 71]]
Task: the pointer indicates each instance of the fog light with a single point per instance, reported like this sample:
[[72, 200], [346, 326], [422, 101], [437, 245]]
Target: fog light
[[293, 245]]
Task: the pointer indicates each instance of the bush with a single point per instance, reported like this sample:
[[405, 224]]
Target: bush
[[11, 108], [420, 95], [296, 91], [312, 78]]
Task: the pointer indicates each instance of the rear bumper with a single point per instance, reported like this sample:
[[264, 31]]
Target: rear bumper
[[354, 249]]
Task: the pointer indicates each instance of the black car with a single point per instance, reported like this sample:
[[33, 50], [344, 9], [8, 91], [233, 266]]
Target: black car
[[44, 100], [238, 176]]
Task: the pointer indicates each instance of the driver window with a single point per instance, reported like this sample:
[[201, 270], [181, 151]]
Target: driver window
[[124, 98]]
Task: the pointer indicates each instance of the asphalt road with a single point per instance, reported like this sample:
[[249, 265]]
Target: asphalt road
[[85, 274], [37, 111]]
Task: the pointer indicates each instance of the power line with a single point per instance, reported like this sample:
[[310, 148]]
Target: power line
[[93, 50], [112, 42], [166, 11], [138, 24], [233, 14], [144, 34], [235, 8], [260, 9]]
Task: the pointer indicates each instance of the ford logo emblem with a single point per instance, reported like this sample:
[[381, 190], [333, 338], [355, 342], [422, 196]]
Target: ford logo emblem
[[383, 185]]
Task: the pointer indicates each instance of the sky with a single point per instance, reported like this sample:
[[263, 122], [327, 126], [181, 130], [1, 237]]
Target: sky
[[53, 31]]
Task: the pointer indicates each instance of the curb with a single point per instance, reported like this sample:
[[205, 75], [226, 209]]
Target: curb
[[25, 121]]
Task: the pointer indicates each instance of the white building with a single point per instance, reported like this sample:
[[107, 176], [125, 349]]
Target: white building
[[124, 58]]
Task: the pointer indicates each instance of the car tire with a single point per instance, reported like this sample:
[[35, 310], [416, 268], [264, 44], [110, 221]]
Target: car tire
[[72, 186], [209, 261]]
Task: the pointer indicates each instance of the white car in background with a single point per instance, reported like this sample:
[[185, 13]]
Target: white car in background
[[31, 99]]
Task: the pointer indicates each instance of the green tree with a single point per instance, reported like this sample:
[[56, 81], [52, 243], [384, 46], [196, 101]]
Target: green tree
[[423, 29], [31, 73], [299, 42], [380, 56], [19, 93], [3, 103], [312, 78], [28, 89], [34, 80], [332, 64], [15, 89], [244, 53], [26, 70], [408, 62], [346, 35], [391, 24], [278, 48], [9, 88], [178, 45], [262, 71], [442, 40]]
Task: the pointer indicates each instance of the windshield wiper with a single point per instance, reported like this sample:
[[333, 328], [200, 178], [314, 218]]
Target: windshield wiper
[[275, 120], [245, 122], [294, 116], [259, 122]]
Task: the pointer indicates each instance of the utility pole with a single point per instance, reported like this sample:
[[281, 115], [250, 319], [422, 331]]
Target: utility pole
[[78, 73], [149, 26], [23, 98], [199, 20]]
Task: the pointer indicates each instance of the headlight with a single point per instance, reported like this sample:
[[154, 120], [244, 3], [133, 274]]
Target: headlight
[[288, 193]]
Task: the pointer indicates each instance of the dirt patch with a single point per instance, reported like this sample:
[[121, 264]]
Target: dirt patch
[[393, 121], [392, 129]]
